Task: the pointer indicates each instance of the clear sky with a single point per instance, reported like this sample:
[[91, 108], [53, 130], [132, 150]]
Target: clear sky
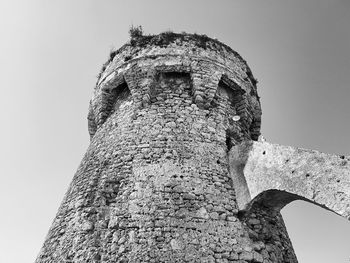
[[51, 52]]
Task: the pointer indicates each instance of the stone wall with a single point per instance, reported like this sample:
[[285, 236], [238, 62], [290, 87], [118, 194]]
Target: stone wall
[[154, 185]]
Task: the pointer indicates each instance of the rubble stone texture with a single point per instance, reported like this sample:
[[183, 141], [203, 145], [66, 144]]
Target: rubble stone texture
[[163, 179]]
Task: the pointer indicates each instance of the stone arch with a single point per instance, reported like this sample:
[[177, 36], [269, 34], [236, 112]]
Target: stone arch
[[273, 176], [237, 95], [277, 199], [111, 97], [241, 109]]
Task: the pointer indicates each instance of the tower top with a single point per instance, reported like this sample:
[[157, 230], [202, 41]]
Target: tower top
[[168, 38], [207, 62]]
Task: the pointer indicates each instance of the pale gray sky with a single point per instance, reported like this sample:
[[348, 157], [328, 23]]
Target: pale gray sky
[[51, 52]]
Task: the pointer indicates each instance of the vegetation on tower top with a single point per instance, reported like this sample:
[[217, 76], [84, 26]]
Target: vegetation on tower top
[[140, 40]]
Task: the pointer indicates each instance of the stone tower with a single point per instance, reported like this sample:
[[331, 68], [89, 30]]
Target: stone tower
[[169, 174]]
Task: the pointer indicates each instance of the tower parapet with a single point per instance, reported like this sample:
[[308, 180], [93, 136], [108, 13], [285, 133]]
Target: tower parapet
[[212, 68]]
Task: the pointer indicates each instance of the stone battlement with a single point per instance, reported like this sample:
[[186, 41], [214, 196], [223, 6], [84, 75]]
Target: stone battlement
[[209, 65]]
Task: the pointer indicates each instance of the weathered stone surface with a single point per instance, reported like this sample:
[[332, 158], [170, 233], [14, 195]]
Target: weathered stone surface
[[274, 175], [155, 184]]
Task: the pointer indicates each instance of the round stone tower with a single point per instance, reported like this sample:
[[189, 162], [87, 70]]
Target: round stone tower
[[154, 185]]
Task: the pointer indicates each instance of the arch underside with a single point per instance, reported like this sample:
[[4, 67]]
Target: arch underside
[[272, 175]]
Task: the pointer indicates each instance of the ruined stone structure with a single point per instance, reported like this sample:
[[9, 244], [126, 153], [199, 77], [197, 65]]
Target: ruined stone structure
[[173, 174]]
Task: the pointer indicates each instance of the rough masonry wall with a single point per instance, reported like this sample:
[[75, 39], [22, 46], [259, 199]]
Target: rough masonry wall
[[154, 185]]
